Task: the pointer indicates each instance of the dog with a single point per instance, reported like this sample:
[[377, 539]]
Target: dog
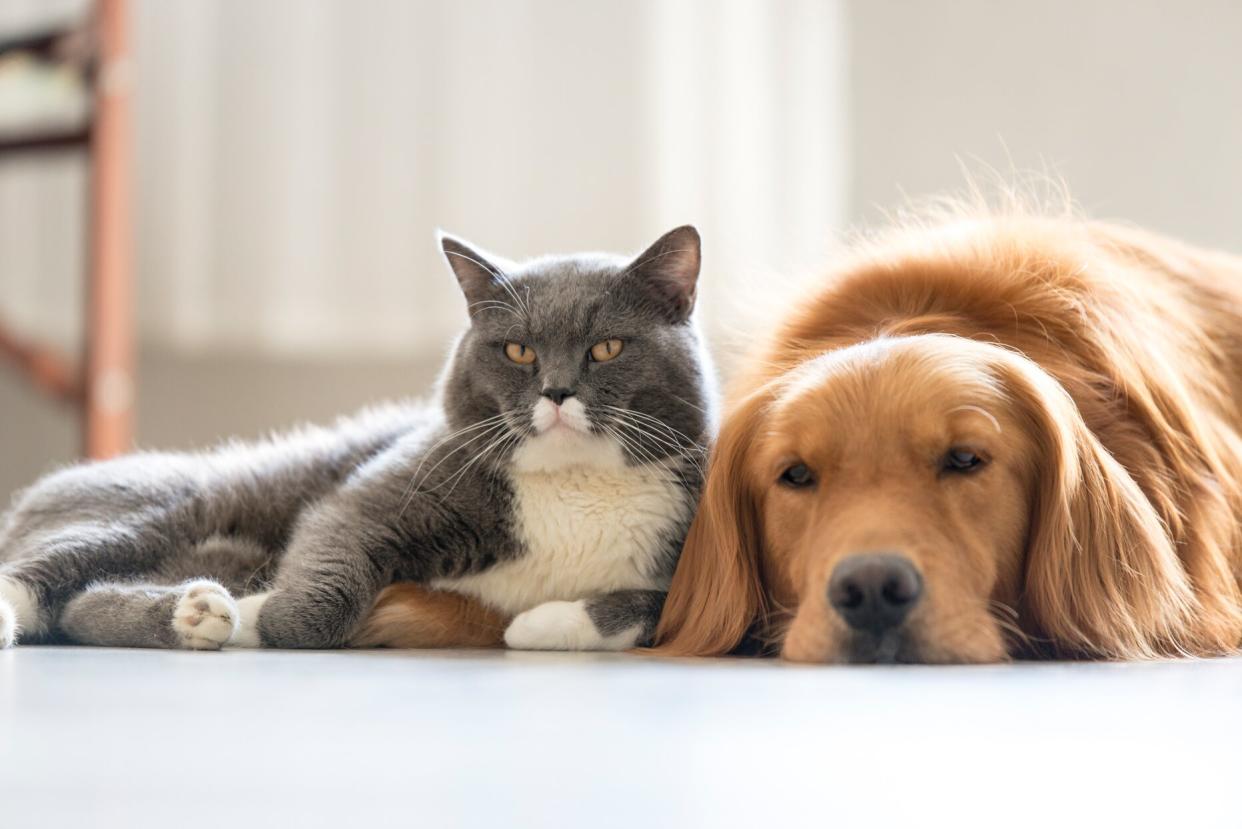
[[990, 436]]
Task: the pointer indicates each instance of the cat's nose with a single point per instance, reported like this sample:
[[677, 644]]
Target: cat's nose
[[558, 396]]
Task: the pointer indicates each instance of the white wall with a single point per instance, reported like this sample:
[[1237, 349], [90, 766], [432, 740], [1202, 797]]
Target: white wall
[[295, 157], [1137, 104]]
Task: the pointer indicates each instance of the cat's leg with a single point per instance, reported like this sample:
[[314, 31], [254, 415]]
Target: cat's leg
[[197, 615], [609, 622], [45, 570], [247, 633], [19, 610], [326, 582], [318, 600]]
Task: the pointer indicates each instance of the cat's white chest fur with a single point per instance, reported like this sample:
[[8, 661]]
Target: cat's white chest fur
[[588, 524]]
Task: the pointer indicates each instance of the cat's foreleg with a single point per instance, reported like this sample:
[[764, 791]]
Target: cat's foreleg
[[248, 609], [198, 615], [609, 622], [315, 604], [19, 610], [323, 588]]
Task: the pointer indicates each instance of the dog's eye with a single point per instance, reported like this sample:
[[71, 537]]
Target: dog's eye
[[797, 476], [961, 460]]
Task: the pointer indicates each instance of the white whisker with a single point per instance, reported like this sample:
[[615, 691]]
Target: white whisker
[[641, 432], [655, 421], [507, 437], [488, 425], [501, 278]]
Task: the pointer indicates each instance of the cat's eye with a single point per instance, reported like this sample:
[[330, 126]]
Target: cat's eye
[[520, 354], [606, 350], [959, 460], [798, 476]]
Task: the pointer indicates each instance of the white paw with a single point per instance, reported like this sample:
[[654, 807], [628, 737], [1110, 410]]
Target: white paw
[[562, 626], [19, 611], [8, 625], [247, 633], [205, 617]]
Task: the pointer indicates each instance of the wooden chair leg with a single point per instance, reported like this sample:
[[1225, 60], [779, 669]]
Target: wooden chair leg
[[108, 364]]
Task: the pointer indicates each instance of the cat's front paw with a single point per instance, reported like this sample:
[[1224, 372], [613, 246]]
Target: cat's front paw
[[205, 617], [562, 626]]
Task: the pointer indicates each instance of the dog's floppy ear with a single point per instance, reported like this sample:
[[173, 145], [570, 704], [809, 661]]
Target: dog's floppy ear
[[716, 593], [1102, 577]]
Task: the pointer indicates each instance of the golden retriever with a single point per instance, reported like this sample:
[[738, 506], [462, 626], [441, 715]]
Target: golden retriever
[[994, 436]]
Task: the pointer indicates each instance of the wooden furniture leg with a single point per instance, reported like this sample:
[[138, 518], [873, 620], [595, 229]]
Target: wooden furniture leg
[[108, 359]]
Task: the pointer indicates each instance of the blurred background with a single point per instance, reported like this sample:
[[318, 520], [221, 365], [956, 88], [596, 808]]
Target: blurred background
[[242, 195]]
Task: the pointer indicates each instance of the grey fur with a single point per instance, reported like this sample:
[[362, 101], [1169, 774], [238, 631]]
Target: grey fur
[[621, 610], [122, 616], [326, 517]]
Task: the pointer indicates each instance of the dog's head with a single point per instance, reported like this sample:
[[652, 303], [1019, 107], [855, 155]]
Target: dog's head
[[926, 499]]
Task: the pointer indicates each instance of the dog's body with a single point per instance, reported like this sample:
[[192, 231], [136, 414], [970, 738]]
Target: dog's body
[[997, 434]]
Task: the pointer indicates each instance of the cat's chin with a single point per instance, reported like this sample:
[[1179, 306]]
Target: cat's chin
[[562, 447]]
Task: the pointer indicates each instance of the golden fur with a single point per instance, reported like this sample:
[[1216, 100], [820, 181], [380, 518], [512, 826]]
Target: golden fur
[[1097, 370], [408, 615]]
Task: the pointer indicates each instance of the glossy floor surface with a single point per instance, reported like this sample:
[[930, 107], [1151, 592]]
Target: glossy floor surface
[[128, 738]]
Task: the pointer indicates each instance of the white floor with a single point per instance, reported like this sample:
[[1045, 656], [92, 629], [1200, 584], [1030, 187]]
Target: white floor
[[99, 738]]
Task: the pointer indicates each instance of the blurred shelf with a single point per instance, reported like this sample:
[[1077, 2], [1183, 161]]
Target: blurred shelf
[[41, 43], [41, 142]]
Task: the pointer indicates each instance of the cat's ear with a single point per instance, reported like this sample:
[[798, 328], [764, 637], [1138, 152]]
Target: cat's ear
[[669, 270], [476, 272]]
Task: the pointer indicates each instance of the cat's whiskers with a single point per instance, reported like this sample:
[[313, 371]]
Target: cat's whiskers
[[488, 432], [502, 279], [504, 441], [644, 433], [495, 304], [685, 402], [505, 282], [635, 448], [488, 425], [628, 443], [492, 440], [485, 423], [691, 454], [655, 421]]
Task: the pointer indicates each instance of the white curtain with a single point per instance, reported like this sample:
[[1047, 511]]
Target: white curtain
[[294, 157]]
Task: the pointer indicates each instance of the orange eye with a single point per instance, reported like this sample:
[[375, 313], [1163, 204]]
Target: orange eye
[[519, 353], [604, 351]]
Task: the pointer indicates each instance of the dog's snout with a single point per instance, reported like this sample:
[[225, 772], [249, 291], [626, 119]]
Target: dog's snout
[[874, 592]]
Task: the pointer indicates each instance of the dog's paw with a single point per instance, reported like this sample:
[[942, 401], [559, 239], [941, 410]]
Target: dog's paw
[[205, 617], [562, 626], [8, 625]]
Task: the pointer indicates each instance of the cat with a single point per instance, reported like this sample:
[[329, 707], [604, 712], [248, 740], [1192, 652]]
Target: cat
[[552, 479]]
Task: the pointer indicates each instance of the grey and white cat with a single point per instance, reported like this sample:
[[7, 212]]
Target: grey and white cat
[[554, 478]]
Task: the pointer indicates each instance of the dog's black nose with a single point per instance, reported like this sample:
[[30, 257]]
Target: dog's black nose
[[558, 396], [874, 592]]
